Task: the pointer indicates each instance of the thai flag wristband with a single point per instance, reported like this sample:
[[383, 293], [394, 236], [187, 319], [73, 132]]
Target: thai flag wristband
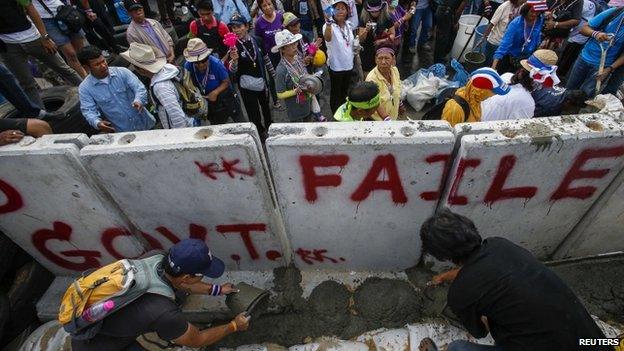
[[216, 290], [595, 34]]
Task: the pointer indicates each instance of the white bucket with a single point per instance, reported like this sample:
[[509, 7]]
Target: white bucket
[[467, 24]]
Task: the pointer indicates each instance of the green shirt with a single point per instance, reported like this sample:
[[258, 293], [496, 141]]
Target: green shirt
[[23, 2], [341, 114]]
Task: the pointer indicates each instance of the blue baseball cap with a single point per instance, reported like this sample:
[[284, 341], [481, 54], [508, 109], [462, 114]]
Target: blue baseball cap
[[192, 256]]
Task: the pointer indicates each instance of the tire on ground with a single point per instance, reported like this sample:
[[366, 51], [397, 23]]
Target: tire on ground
[[30, 283]]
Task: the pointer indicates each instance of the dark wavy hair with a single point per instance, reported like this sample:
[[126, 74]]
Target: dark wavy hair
[[523, 78], [448, 236]]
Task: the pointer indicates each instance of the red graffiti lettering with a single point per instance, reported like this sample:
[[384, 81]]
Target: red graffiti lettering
[[309, 256], [14, 199], [62, 232], [153, 242], [576, 172], [196, 231], [435, 195], [245, 232], [311, 180], [497, 191], [453, 198], [387, 165], [109, 236], [212, 169]]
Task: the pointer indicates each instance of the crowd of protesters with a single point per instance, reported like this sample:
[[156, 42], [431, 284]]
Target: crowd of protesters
[[273, 55]]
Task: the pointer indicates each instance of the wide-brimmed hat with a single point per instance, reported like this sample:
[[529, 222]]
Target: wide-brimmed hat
[[288, 19], [283, 38], [143, 56], [539, 59], [487, 78], [375, 5], [132, 5], [196, 50]]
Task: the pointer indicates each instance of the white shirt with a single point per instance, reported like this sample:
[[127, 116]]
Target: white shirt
[[25, 36], [51, 4], [339, 50], [501, 18], [517, 104], [589, 11]]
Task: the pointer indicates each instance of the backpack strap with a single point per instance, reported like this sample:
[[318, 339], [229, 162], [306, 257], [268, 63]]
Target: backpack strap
[[46, 7], [464, 105]]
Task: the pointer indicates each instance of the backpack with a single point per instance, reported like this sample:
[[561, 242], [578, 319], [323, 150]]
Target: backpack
[[193, 103], [106, 290], [68, 19], [435, 113]]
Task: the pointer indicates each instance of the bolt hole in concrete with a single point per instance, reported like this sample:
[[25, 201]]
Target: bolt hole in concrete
[[127, 139], [319, 131], [204, 133], [594, 125], [407, 131]]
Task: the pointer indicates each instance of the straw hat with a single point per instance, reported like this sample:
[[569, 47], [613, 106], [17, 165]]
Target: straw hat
[[289, 19], [196, 50], [143, 56], [547, 57], [283, 38]]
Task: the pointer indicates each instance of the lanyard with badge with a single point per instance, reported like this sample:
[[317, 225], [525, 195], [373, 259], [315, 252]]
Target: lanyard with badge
[[204, 81]]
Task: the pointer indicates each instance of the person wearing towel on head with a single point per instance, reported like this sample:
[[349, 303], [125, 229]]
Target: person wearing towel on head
[[483, 83], [386, 76]]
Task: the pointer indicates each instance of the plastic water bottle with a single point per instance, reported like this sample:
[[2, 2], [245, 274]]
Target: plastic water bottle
[[98, 311]]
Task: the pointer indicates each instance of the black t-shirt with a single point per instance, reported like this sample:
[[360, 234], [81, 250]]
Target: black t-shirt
[[368, 53], [149, 313], [249, 53], [528, 306], [564, 10]]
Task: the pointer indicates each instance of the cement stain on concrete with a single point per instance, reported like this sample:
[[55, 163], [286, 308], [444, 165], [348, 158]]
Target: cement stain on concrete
[[333, 309]]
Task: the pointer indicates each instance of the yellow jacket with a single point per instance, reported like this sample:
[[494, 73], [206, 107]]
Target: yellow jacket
[[453, 113], [389, 102]]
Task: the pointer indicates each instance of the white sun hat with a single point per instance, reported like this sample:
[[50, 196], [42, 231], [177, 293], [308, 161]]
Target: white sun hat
[[284, 38], [143, 56]]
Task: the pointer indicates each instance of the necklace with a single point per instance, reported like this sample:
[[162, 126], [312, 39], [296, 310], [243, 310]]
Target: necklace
[[295, 69], [205, 80], [345, 34], [527, 37], [253, 48]]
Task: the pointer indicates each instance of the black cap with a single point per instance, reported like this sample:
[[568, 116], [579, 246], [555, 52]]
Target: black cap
[[132, 5]]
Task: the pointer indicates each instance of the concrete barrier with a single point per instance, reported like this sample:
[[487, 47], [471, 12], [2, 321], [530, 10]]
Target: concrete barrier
[[354, 195], [209, 183], [52, 207], [531, 181]]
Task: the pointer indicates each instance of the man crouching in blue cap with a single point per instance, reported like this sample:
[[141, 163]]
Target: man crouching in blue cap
[[155, 310]]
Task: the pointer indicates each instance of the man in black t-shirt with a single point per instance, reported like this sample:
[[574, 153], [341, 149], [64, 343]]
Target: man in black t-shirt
[[182, 268], [503, 289]]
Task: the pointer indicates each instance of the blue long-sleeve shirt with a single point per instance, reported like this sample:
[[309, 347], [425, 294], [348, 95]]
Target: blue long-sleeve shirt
[[514, 43], [113, 100], [225, 12]]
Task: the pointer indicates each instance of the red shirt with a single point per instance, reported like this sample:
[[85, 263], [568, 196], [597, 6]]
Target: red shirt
[[223, 29]]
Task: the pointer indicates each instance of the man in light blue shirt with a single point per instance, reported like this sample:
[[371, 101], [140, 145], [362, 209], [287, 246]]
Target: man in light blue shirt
[[224, 9], [112, 99]]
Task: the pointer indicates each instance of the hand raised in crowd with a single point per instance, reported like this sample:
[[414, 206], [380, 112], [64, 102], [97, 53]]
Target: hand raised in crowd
[[242, 321], [105, 127], [137, 106], [91, 16], [233, 54], [307, 60], [228, 288], [318, 42], [548, 25], [10, 136], [48, 45]]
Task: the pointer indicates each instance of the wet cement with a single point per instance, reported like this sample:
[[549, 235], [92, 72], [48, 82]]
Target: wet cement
[[333, 309]]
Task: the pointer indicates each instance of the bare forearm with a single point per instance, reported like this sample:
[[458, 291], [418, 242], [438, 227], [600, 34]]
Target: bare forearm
[[31, 11], [212, 335], [224, 85], [618, 62], [587, 31], [328, 32], [568, 24]]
